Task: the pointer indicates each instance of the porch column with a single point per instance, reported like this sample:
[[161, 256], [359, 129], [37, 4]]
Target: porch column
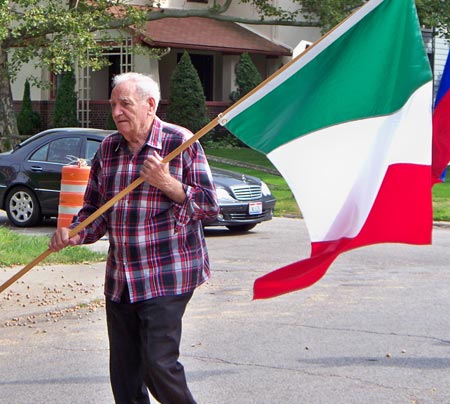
[[229, 75], [147, 65]]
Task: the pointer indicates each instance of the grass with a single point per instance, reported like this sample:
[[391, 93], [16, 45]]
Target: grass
[[441, 200], [286, 204], [241, 154], [19, 249]]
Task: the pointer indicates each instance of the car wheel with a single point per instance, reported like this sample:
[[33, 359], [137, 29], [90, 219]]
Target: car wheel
[[22, 207], [241, 228]]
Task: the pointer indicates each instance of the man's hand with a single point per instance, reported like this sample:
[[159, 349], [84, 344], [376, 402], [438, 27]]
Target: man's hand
[[157, 173], [60, 239]]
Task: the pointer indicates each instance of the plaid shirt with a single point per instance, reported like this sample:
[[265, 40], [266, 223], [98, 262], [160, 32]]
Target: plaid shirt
[[157, 246]]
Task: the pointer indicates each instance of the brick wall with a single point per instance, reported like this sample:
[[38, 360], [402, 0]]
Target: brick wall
[[99, 110]]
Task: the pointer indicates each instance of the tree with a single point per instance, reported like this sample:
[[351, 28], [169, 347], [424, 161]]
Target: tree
[[247, 77], [328, 13], [58, 34], [28, 121], [187, 103], [65, 113]]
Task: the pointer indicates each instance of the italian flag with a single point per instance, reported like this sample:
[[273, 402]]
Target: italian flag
[[348, 125]]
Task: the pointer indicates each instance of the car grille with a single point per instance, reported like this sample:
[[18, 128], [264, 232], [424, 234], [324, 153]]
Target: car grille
[[246, 192], [246, 216]]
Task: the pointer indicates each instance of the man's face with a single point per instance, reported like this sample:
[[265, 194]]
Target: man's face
[[132, 115]]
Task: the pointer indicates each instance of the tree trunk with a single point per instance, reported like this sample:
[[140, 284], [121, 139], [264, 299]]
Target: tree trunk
[[8, 122]]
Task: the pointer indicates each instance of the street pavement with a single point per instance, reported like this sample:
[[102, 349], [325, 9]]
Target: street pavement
[[375, 329]]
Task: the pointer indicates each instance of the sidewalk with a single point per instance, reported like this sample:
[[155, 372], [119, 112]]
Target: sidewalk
[[49, 289]]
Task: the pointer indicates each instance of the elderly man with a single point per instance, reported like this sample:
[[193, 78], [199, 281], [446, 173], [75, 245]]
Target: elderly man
[[157, 254]]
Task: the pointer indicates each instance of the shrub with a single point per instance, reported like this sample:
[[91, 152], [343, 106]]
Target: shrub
[[28, 121], [65, 113], [247, 77], [187, 103]]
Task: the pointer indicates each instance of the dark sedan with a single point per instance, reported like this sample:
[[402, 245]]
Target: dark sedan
[[244, 200], [30, 177]]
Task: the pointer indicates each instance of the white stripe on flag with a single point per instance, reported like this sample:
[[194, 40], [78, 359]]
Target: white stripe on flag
[[338, 184]]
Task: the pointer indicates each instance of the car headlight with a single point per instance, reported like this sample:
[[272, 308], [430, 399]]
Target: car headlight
[[265, 189], [224, 195]]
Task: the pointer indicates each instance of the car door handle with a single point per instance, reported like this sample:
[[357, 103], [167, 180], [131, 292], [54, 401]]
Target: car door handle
[[36, 168]]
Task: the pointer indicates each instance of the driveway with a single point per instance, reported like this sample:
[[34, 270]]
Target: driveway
[[374, 329]]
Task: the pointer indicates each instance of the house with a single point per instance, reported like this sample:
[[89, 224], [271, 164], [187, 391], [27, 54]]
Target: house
[[437, 49], [214, 48]]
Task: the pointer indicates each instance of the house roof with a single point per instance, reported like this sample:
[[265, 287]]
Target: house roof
[[208, 34]]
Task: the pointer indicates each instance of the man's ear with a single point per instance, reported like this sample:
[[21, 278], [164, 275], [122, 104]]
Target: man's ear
[[151, 106]]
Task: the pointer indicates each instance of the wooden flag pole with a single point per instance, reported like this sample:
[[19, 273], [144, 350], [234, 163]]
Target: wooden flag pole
[[102, 209], [169, 157]]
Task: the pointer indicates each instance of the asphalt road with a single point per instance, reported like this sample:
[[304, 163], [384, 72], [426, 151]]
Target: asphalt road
[[375, 329]]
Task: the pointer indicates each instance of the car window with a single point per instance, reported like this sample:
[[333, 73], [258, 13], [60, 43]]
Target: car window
[[40, 154], [91, 148], [58, 151]]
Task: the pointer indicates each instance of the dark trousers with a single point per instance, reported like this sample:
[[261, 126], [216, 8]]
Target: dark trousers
[[144, 341]]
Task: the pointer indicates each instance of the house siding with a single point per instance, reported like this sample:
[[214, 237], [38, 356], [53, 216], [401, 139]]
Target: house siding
[[441, 51]]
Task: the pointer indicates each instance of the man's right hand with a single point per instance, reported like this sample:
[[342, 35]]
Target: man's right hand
[[60, 239]]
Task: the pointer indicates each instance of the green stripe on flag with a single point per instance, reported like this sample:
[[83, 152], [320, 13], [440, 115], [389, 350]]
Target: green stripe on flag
[[371, 70]]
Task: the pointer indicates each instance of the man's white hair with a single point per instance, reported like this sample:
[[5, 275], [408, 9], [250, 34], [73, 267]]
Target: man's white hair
[[145, 84]]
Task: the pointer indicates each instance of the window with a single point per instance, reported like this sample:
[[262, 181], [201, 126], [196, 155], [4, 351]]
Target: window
[[58, 151], [91, 149], [40, 154], [204, 66]]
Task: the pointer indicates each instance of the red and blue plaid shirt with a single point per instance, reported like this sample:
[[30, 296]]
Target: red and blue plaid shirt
[[157, 246]]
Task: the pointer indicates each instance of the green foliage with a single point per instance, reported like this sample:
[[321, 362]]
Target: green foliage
[[266, 8], [65, 113], [56, 34], [110, 124], [435, 13], [28, 121], [328, 13], [187, 103], [247, 77]]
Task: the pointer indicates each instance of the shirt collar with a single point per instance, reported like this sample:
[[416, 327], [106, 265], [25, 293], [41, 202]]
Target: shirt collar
[[154, 138]]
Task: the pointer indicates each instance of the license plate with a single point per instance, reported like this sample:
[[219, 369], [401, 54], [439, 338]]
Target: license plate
[[255, 208]]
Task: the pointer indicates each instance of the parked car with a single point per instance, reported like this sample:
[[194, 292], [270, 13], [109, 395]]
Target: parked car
[[30, 177]]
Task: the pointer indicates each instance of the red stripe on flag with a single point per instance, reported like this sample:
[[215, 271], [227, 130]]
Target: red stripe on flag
[[402, 213], [441, 137]]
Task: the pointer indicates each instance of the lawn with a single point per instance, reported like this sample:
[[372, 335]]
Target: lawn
[[286, 204], [441, 200], [19, 249]]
